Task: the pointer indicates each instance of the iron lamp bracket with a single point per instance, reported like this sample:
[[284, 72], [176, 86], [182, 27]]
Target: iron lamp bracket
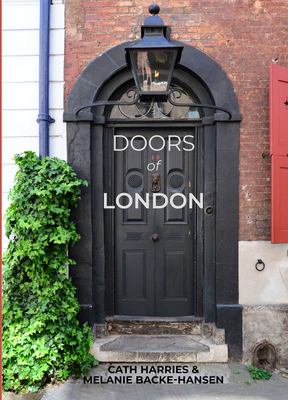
[[167, 96]]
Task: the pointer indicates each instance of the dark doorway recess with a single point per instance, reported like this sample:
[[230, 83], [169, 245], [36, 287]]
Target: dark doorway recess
[[154, 263], [154, 255], [203, 245]]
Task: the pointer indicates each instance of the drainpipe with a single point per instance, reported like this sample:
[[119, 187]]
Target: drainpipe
[[44, 118]]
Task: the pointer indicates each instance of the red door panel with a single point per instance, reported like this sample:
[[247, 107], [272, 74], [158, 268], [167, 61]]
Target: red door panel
[[279, 200], [278, 110], [279, 153]]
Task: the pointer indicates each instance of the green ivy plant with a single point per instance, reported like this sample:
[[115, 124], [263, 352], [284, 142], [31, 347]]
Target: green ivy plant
[[258, 373], [42, 339]]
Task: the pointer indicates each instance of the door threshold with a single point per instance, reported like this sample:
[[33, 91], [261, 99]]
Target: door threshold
[[129, 318], [124, 324]]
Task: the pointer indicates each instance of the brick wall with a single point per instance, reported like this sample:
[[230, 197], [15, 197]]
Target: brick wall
[[242, 36]]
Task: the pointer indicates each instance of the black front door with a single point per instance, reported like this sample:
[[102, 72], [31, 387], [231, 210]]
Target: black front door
[[154, 228]]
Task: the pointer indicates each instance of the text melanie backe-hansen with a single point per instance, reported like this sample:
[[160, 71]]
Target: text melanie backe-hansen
[[143, 374]]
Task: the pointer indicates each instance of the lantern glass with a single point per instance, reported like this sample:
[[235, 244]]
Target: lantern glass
[[153, 68]]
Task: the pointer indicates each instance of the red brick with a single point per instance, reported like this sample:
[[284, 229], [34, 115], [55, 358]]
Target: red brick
[[121, 29], [107, 10], [240, 38]]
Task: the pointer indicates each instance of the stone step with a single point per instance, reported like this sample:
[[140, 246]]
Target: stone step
[[211, 331], [158, 348], [188, 325], [154, 325]]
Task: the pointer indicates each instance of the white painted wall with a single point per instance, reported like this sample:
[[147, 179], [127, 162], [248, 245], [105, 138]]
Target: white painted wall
[[20, 87], [20, 65], [269, 286]]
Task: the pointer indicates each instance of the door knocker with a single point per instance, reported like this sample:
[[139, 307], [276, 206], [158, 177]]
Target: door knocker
[[155, 183], [260, 262]]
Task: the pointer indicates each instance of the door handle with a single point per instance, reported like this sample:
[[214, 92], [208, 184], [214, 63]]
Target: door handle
[[154, 237]]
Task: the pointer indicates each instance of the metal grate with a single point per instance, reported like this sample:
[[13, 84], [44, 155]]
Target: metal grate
[[134, 181], [176, 181]]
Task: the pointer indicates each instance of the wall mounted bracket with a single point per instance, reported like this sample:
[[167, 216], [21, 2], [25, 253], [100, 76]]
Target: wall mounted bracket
[[137, 97]]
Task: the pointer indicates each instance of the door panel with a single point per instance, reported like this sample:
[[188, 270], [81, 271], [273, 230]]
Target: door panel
[[174, 271], [154, 278], [134, 275]]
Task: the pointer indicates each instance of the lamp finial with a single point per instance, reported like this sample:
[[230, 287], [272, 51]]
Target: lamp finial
[[154, 9]]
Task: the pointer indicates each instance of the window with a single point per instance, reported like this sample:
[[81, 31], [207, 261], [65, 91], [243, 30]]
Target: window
[[156, 110]]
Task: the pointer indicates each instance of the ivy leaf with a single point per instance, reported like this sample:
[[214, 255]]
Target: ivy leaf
[[42, 339]]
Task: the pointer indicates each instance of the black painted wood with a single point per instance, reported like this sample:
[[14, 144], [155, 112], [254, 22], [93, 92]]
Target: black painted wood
[[154, 278], [229, 317], [208, 167], [97, 285]]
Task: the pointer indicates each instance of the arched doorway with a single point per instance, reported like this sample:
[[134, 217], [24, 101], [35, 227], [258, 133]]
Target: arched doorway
[[153, 243], [117, 245]]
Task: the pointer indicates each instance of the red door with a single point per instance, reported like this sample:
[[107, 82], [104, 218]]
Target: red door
[[279, 153]]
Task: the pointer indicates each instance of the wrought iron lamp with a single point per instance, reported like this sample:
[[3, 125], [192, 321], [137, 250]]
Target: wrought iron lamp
[[152, 61]]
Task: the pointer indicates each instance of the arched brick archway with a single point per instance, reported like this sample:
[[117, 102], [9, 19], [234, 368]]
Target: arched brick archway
[[221, 161]]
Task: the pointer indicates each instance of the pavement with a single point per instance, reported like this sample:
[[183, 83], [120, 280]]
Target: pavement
[[171, 381]]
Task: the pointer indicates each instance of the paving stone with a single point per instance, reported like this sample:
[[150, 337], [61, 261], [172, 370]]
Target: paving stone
[[161, 370], [240, 373], [167, 392], [276, 388]]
